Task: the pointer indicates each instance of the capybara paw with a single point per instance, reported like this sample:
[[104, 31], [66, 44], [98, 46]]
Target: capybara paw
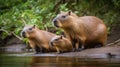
[[73, 50], [58, 53], [98, 45], [37, 52], [61, 51], [80, 49]]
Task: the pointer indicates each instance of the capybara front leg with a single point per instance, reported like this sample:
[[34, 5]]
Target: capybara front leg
[[74, 47], [98, 45], [37, 50]]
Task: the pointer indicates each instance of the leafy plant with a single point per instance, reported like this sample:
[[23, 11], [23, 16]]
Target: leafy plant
[[14, 14]]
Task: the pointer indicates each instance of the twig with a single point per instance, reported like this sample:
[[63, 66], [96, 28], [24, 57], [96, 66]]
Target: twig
[[115, 42], [24, 22], [9, 33], [17, 36], [5, 31]]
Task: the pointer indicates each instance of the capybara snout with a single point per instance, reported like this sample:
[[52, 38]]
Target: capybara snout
[[23, 34], [51, 44], [55, 23]]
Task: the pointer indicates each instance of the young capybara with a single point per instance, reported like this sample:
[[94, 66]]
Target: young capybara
[[84, 32], [38, 39], [61, 43]]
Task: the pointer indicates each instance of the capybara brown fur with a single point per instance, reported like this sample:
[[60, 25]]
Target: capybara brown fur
[[61, 43], [84, 32], [38, 39]]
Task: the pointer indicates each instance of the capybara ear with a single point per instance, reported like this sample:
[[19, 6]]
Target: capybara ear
[[69, 12]]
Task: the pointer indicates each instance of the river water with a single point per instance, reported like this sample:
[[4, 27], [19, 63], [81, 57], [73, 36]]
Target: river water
[[21, 60]]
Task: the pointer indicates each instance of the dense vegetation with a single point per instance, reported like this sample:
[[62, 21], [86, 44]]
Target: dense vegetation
[[15, 13]]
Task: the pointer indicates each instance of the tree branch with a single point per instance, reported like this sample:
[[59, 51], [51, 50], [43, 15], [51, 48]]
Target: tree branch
[[17, 36], [5, 31], [24, 22], [9, 33]]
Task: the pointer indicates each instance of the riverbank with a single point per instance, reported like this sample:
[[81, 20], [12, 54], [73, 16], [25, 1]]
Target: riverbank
[[103, 52]]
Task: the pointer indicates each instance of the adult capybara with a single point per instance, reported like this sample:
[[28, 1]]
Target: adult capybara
[[84, 32], [38, 39], [61, 43]]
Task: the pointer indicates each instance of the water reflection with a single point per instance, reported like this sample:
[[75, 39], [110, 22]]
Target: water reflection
[[56, 61], [72, 62], [51, 62]]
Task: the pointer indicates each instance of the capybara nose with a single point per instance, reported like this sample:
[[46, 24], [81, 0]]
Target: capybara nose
[[55, 23], [23, 34], [51, 43]]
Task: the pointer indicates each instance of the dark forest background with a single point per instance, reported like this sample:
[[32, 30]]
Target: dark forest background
[[14, 13]]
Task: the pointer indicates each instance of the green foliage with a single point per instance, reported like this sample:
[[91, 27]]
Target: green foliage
[[63, 7], [30, 12], [15, 13]]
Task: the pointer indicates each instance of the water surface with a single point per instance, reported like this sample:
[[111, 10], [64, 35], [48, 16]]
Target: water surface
[[56, 61]]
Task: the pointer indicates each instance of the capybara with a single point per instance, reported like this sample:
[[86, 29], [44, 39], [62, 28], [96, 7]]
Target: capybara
[[84, 32], [61, 43], [38, 39]]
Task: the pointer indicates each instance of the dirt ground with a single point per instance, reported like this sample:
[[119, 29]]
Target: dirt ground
[[114, 35]]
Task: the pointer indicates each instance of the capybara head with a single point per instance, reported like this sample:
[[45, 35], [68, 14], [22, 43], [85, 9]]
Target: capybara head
[[64, 19], [57, 40], [29, 31]]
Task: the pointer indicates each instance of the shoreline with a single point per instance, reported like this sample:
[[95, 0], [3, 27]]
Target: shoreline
[[103, 52]]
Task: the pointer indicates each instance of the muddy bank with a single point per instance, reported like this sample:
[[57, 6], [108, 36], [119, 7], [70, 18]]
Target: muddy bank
[[13, 48], [111, 51], [103, 52]]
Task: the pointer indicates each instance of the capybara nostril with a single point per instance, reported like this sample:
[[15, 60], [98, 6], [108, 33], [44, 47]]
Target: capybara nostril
[[23, 34], [51, 43], [55, 23]]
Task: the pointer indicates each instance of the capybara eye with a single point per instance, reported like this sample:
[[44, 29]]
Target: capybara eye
[[30, 28], [63, 16]]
